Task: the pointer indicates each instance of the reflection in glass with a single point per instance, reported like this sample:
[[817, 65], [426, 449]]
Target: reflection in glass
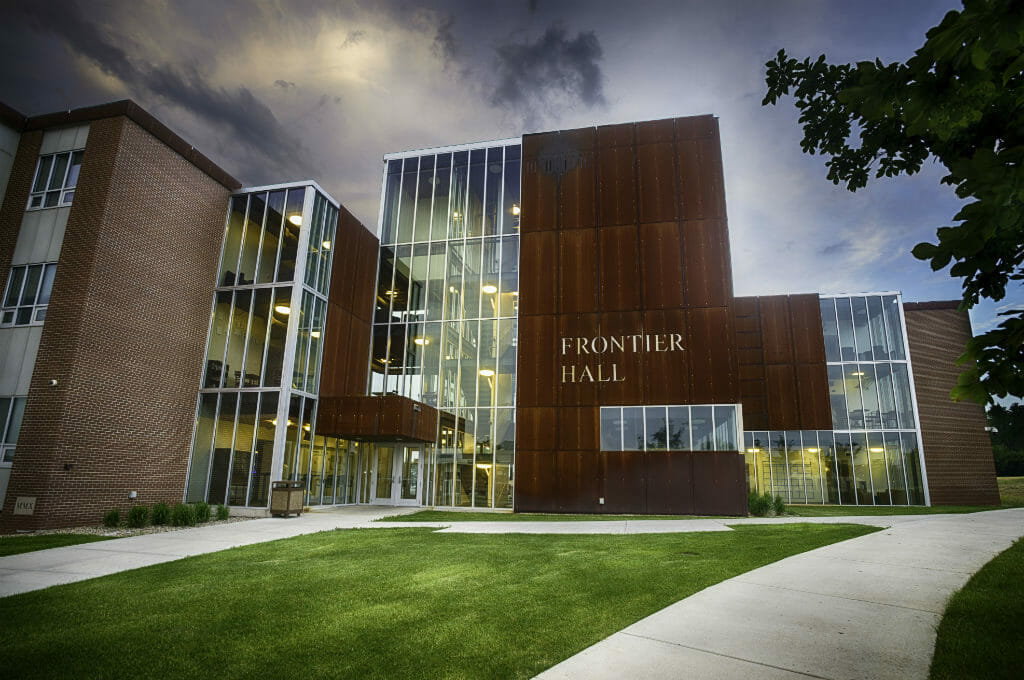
[[795, 467], [830, 329], [263, 449], [201, 444], [812, 457], [879, 471], [844, 465], [633, 428], [703, 429], [894, 327], [232, 241], [251, 240], [725, 428], [241, 459], [656, 424], [222, 442], [679, 428], [845, 318], [894, 462], [829, 466], [861, 469]]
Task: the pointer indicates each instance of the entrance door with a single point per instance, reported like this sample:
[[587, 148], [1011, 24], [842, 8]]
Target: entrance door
[[407, 475], [383, 475]]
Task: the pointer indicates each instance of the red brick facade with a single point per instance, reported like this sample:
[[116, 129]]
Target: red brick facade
[[125, 330], [957, 450]]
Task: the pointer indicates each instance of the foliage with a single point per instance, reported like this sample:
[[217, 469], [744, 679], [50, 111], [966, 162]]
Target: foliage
[[958, 100], [223, 512], [759, 505], [467, 606], [778, 506], [1007, 430], [202, 511], [138, 516], [112, 518], [161, 514], [183, 515]]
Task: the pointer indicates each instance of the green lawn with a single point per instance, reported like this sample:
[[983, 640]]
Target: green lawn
[[1011, 491], [388, 603], [459, 516], [982, 632], [13, 545]]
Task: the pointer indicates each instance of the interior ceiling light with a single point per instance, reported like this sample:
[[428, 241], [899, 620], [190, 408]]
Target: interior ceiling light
[[857, 373], [391, 293], [296, 220], [422, 341], [306, 427], [489, 288], [516, 293], [315, 334], [753, 450], [876, 449], [283, 309], [515, 209], [451, 289], [326, 245], [486, 372], [812, 450]]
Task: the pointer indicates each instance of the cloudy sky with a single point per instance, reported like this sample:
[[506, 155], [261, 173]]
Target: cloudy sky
[[279, 91]]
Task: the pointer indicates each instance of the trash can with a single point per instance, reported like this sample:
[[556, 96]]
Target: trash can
[[286, 498]]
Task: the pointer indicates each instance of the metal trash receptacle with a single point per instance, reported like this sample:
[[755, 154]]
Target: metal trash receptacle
[[286, 498]]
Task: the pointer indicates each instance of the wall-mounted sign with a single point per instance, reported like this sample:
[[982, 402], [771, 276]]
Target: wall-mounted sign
[[25, 505], [595, 359]]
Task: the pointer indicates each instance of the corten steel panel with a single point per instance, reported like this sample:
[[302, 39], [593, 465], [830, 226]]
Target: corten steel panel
[[536, 481], [616, 173], [659, 198], [425, 423], [579, 481], [347, 416], [332, 366], [751, 372], [578, 429], [537, 365], [666, 374], [615, 135], [656, 132], [707, 277], [751, 356], [776, 332], [808, 337], [699, 161], [573, 357], [577, 195], [783, 411], [538, 273], [578, 286], [368, 416], [745, 306], [366, 278], [629, 364], [746, 339], [539, 186], [619, 269], [358, 357], [813, 397], [748, 325], [624, 482], [536, 428], [669, 482], [343, 273], [957, 450], [719, 483], [661, 255], [712, 356]]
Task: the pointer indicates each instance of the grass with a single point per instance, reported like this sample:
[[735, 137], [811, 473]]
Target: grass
[[15, 545], [1011, 491], [377, 604], [982, 632], [460, 516]]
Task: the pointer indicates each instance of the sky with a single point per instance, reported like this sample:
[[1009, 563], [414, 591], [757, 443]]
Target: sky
[[311, 89]]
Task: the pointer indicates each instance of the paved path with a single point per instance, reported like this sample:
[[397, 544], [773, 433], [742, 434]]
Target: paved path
[[863, 608]]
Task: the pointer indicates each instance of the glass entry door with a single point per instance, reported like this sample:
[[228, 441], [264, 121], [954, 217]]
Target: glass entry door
[[397, 474]]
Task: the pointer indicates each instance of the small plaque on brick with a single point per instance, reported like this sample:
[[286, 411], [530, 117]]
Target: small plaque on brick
[[25, 505]]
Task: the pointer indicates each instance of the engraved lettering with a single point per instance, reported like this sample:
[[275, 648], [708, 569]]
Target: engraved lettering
[[676, 342]]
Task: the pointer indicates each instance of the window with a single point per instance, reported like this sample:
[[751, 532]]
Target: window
[[56, 177], [27, 294], [11, 411]]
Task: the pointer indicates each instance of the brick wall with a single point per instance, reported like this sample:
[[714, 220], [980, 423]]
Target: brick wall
[[957, 450], [18, 186], [124, 335]]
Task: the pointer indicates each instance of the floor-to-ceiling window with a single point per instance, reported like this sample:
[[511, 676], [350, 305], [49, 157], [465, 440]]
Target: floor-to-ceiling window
[[445, 321]]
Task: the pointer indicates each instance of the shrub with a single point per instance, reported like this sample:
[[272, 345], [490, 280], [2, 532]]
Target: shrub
[[183, 515], [759, 504], [223, 512], [112, 518], [202, 511], [138, 516], [779, 506], [161, 514]]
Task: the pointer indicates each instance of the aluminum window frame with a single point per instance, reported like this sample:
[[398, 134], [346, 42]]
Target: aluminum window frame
[[36, 307], [65, 192]]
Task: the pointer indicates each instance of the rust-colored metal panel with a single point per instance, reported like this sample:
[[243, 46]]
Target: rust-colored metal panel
[[808, 337], [347, 417], [425, 427], [751, 372], [699, 159], [578, 429], [539, 185], [782, 405], [364, 293], [748, 325], [776, 331], [536, 428], [578, 287], [706, 267], [747, 339], [669, 482], [368, 416], [749, 356], [712, 356], [358, 358], [577, 200], [333, 367], [813, 397], [536, 481], [667, 373], [574, 352], [628, 389], [537, 366], [659, 198], [538, 262], [616, 172], [661, 255], [615, 135], [619, 268], [719, 483], [624, 482], [580, 481], [343, 268], [745, 306], [656, 131]]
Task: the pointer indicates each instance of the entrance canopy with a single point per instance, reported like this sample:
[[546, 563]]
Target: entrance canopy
[[385, 418]]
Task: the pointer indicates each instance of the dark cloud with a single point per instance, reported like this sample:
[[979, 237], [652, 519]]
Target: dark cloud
[[837, 248], [555, 70], [353, 37], [445, 46], [284, 84]]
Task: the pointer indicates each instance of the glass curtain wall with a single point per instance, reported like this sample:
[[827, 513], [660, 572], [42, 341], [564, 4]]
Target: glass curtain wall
[[445, 320], [873, 456], [261, 374]]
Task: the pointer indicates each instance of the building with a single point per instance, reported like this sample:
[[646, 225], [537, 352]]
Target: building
[[544, 323]]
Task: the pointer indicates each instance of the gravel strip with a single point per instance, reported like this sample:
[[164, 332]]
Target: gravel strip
[[125, 531]]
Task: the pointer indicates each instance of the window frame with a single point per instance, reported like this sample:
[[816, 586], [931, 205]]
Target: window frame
[[7, 449], [35, 306], [65, 192]]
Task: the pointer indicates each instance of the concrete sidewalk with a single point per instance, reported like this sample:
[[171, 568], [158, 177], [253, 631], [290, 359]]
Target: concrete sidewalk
[[863, 608]]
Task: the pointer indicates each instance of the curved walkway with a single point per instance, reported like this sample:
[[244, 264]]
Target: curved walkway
[[863, 608]]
